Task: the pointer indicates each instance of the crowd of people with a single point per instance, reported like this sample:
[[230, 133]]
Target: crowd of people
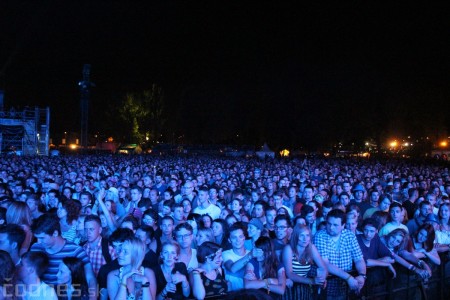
[[154, 227]]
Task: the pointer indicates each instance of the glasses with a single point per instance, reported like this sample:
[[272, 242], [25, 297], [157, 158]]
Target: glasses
[[280, 227], [214, 255], [183, 236], [148, 220]]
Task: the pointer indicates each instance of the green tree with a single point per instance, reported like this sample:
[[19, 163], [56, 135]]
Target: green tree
[[142, 114]]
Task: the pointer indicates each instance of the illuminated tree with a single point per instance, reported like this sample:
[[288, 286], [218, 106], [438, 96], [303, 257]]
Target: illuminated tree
[[142, 114]]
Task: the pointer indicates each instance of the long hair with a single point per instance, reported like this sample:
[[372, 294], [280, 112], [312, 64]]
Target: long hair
[[306, 256], [78, 275], [137, 248], [18, 213], [270, 262], [226, 233], [72, 208], [428, 245], [405, 244]]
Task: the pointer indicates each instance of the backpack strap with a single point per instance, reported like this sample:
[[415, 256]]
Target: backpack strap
[[105, 250]]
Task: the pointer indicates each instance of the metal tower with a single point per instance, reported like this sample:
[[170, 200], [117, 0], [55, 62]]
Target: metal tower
[[85, 86]]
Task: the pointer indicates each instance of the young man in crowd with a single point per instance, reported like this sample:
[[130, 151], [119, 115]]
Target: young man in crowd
[[282, 233], [97, 248], [339, 249], [205, 206], [47, 231], [11, 238]]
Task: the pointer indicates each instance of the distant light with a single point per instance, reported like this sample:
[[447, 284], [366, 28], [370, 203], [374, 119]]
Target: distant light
[[367, 143], [284, 152], [406, 144], [393, 144], [73, 146], [443, 144]]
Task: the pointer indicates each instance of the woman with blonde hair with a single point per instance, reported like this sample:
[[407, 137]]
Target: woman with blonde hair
[[131, 281], [299, 257], [19, 213]]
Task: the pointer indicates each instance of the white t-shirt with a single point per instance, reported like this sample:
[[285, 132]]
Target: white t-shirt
[[212, 210], [44, 291], [236, 279]]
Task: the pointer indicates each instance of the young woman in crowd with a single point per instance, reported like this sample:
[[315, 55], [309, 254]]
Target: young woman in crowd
[[220, 232], [204, 235], [208, 280], [298, 258], [264, 271], [397, 241], [68, 212], [19, 213], [131, 280], [71, 280], [443, 232], [423, 244], [171, 276]]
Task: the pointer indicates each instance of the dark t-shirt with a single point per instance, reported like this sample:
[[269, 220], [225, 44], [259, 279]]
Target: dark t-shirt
[[102, 276], [161, 280]]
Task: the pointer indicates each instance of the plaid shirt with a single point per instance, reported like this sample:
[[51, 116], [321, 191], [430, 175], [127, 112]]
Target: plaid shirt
[[95, 255], [342, 254]]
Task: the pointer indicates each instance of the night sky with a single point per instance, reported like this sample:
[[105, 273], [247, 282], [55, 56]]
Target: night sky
[[292, 76]]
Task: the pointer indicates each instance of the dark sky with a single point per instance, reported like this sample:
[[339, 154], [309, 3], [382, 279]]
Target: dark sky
[[288, 75]]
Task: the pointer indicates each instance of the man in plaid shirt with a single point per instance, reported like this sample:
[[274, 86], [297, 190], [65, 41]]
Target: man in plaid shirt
[[93, 247], [339, 248]]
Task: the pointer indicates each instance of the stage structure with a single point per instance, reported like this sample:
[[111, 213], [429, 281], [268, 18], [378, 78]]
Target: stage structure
[[85, 88], [25, 132]]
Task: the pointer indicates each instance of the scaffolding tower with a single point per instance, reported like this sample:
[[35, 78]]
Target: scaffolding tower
[[25, 132]]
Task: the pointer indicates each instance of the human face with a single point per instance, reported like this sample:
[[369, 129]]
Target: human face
[[445, 212], [394, 241], [46, 240], [63, 276], [422, 236], [253, 231], [169, 255], [167, 227], [206, 221], [135, 195], [187, 206], [304, 238], [310, 218], [124, 255], [237, 239], [5, 245], [259, 212], [203, 197], [325, 211], [215, 259], [31, 204], [384, 205], [235, 206], [184, 238], [396, 214], [217, 229], [344, 199], [270, 217], [369, 232], [92, 230], [334, 226], [84, 199], [201, 238], [61, 212], [351, 224], [178, 214], [281, 229], [425, 210], [347, 187]]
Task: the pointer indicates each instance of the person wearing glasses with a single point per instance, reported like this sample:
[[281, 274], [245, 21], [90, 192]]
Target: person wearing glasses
[[208, 279], [184, 236], [282, 233]]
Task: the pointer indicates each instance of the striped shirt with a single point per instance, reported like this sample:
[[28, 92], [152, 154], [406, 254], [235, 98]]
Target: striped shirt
[[69, 250]]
